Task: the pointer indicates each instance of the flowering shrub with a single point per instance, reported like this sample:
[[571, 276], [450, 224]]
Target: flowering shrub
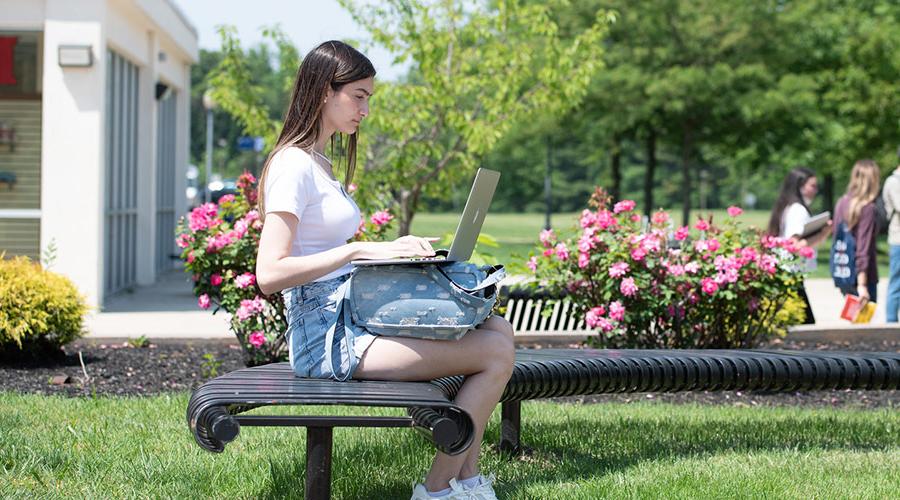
[[663, 287], [219, 244]]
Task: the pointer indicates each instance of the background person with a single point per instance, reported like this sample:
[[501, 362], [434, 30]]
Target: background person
[[303, 251], [791, 213], [857, 208], [891, 196]]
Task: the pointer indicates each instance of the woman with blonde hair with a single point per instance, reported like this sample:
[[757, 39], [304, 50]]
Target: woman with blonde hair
[[857, 209]]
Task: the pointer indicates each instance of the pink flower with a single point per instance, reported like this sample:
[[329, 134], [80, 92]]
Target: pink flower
[[228, 198], [352, 188], [381, 217], [250, 307], [659, 218], [190, 257], [709, 285], [727, 276], [588, 219], [583, 260], [734, 211], [692, 267], [203, 301], [548, 252], [257, 339], [184, 240], [215, 279], [618, 269], [562, 252], [547, 237], [240, 228], [532, 264], [682, 233], [616, 311], [628, 287], [701, 225], [712, 244], [245, 180], [676, 269], [586, 242], [605, 219], [203, 217], [245, 280], [807, 252], [251, 216], [638, 253], [593, 316], [623, 206], [767, 263]]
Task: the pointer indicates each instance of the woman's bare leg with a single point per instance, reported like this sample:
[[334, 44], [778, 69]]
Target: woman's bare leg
[[484, 355]]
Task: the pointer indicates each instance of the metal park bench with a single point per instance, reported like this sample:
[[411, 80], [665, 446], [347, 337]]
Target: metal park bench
[[215, 411]]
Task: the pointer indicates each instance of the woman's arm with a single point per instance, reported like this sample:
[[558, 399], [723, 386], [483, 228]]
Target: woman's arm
[[277, 270], [865, 238]]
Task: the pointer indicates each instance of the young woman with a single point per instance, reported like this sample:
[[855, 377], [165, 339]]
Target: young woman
[[303, 251], [857, 209], [791, 213]]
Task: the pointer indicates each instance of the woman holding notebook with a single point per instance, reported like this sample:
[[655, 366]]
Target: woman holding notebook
[[790, 215], [303, 252]]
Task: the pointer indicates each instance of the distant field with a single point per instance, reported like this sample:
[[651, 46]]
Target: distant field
[[517, 233]]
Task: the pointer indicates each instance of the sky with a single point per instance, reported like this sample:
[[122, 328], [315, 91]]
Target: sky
[[306, 22]]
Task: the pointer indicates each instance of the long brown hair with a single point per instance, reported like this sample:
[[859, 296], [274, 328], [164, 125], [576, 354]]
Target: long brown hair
[[862, 188], [790, 194], [334, 64]]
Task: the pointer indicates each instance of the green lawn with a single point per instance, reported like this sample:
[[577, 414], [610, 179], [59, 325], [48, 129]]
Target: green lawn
[[52, 447]]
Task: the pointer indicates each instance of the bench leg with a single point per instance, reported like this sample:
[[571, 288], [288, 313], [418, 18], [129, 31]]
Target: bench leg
[[318, 463], [511, 427]]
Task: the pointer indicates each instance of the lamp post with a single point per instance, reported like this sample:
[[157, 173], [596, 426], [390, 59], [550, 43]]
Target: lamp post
[[209, 104]]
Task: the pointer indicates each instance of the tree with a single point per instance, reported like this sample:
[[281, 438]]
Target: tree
[[477, 71]]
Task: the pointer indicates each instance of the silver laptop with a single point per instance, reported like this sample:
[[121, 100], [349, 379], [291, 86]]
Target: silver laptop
[[467, 230]]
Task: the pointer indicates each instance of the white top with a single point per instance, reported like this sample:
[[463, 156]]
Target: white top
[[328, 217], [793, 219], [891, 194]]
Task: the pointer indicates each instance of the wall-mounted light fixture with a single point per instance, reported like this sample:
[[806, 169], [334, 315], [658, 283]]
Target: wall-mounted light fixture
[[163, 91], [75, 56]]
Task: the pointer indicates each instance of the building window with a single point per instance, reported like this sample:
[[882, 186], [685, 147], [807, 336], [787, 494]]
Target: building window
[[20, 55]]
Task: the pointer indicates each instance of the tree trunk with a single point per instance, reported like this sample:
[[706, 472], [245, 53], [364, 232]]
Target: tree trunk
[[686, 145], [828, 192], [650, 173], [406, 212], [616, 167]]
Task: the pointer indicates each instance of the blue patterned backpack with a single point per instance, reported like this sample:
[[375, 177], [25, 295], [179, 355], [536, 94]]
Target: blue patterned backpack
[[430, 301]]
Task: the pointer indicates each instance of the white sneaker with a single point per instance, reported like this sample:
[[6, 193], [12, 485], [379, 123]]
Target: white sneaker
[[484, 490], [421, 493]]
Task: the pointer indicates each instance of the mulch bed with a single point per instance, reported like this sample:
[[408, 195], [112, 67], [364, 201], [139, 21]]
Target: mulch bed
[[181, 365]]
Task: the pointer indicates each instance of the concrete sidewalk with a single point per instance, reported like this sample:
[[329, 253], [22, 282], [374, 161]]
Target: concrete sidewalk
[[168, 309]]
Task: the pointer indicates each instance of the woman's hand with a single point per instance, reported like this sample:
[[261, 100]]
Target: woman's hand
[[862, 291], [404, 246]]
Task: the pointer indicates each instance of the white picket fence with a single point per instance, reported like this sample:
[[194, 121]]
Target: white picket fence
[[524, 314]]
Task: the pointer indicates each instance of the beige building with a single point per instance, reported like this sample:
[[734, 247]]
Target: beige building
[[94, 131]]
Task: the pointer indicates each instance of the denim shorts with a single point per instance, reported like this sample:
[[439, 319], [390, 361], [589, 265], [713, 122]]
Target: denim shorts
[[313, 311]]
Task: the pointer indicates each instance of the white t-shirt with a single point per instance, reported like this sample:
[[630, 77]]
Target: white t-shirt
[[328, 217], [793, 219]]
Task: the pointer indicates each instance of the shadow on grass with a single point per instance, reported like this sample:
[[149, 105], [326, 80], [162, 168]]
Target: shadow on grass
[[582, 448]]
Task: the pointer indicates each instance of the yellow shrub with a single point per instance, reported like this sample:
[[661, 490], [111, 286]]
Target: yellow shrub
[[37, 307]]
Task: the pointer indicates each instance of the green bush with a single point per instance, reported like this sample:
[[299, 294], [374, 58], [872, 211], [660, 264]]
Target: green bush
[[38, 308]]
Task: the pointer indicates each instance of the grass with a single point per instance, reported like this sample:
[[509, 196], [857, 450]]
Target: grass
[[140, 447], [517, 234]]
